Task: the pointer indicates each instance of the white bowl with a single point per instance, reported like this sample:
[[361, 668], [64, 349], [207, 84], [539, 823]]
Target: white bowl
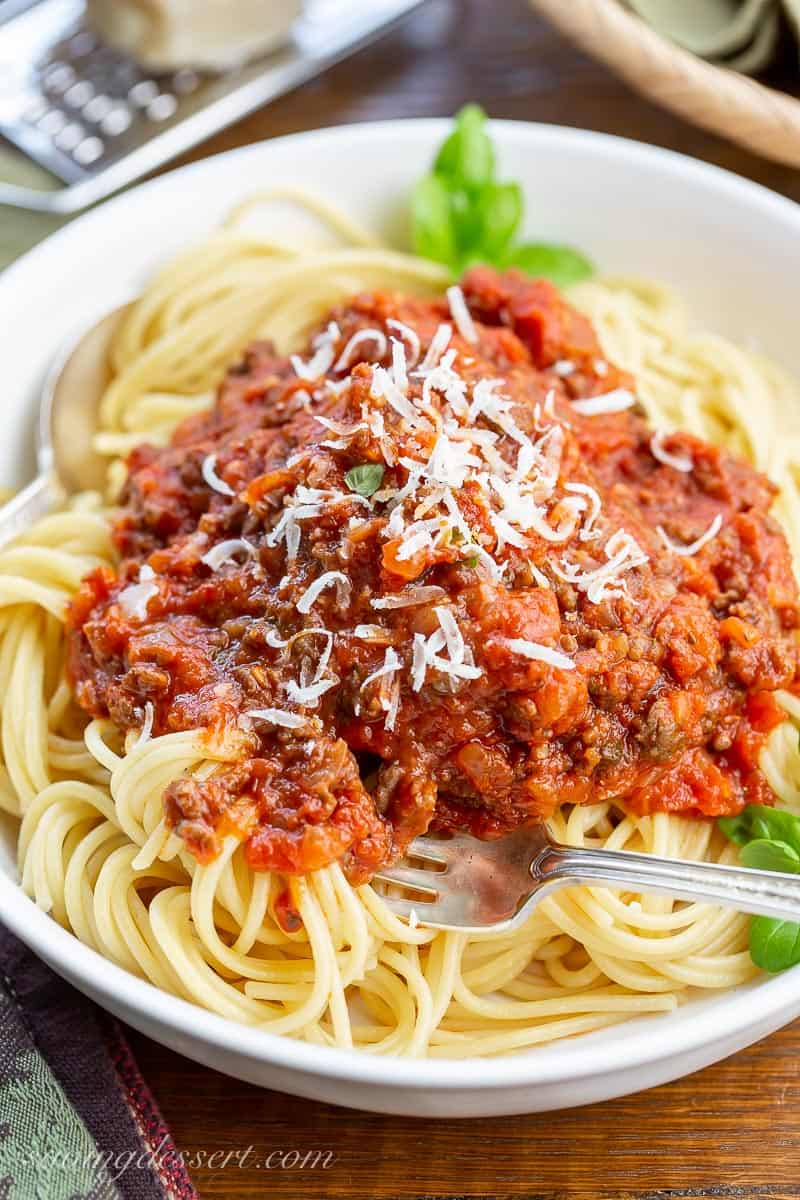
[[734, 251]]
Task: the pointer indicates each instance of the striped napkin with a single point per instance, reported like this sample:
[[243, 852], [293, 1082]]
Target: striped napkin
[[77, 1121]]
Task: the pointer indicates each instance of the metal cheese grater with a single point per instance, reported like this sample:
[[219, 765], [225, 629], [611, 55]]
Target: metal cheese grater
[[96, 121]]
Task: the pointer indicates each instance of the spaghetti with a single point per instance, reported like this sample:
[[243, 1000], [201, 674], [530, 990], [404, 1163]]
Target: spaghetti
[[310, 955]]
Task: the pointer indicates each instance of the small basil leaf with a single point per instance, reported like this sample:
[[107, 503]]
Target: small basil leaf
[[466, 157], [365, 478], [561, 264], [500, 208], [431, 221], [774, 945], [770, 856], [758, 821], [467, 224]]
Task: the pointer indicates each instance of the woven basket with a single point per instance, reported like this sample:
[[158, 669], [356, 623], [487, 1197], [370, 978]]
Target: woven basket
[[765, 121]]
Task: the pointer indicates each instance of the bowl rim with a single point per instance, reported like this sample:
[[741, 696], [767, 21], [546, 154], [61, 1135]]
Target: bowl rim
[[728, 1014]]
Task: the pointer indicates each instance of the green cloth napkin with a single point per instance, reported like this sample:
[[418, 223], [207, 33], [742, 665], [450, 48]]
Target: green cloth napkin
[[742, 34], [77, 1121]]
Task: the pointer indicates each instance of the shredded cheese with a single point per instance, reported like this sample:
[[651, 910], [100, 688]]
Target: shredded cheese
[[399, 371], [409, 336], [134, 599], [329, 579], [588, 533], [209, 473], [224, 552], [681, 462], [693, 547], [461, 315], [276, 716], [364, 335], [609, 402], [320, 363], [384, 388], [539, 653], [310, 693], [409, 598], [147, 728], [371, 633], [439, 343]]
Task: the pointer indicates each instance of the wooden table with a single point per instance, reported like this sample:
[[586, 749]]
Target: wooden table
[[732, 1131]]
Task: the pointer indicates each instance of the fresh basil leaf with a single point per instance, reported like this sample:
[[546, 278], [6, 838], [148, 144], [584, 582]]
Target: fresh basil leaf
[[466, 157], [461, 215], [501, 207], [467, 224], [758, 821], [770, 856], [560, 264], [365, 478], [431, 221], [774, 945]]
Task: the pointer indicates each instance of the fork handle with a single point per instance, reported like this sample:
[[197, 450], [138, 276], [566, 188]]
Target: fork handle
[[765, 893], [26, 507]]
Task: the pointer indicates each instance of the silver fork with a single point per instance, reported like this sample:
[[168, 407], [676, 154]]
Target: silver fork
[[469, 885]]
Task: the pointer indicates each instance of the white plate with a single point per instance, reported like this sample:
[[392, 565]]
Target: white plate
[[734, 251]]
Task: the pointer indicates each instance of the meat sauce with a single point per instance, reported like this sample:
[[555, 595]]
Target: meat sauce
[[563, 651]]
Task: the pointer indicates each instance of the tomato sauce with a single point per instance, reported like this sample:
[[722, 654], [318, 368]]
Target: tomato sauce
[[661, 692]]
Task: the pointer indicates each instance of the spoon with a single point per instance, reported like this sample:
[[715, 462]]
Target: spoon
[[68, 408]]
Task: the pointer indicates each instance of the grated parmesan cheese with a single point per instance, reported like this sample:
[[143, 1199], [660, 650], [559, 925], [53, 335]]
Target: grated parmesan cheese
[[609, 402], [409, 598], [409, 336], [320, 363], [588, 533], [147, 728], [539, 653], [224, 552], [439, 343], [209, 473], [310, 693], [134, 599], [693, 547], [276, 716], [461, 315], [399, 371], [681, 462], [364, 335], [326, 580]]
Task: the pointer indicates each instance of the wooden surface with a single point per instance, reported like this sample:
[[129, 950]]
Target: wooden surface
[[730, 1132]]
